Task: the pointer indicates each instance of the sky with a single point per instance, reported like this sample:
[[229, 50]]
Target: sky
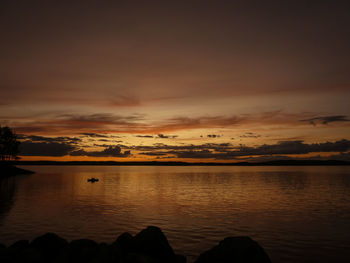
[[195, 81]]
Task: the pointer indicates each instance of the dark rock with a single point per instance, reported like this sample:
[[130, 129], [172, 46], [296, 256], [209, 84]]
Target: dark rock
[[21, 251], [124, 241], [83, 243], [105, 254], [49, 245], [122, 246], [19, 245], [180, 259], [148, 246], [30, 255], [81, 250], [152, 242], [235, 250], [3, 253]]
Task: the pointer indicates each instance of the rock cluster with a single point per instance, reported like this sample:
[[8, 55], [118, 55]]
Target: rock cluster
[[148, 246], [235, 249]]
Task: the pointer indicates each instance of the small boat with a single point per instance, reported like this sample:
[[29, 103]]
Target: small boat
[[92, 180]]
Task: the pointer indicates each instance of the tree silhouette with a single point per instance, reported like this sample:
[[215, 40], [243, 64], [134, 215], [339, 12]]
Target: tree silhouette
[[9, 146]]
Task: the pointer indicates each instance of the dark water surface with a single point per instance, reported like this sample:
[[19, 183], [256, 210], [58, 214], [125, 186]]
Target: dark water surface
[[298, 214]]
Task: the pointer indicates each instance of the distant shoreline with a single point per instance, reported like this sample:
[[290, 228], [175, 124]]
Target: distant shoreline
[[154, 163]]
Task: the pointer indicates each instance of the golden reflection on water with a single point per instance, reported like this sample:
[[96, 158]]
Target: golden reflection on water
[[287, 209]]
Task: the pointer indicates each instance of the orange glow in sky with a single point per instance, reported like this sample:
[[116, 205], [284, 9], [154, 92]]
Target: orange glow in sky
[[169, 81]]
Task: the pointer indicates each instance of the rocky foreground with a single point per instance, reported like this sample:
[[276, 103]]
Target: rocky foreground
[[148, 246]]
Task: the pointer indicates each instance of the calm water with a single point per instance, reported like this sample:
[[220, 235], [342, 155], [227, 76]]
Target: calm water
[[298, 214]]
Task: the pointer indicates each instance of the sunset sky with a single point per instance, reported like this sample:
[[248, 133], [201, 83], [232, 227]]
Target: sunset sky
[[196, 81]]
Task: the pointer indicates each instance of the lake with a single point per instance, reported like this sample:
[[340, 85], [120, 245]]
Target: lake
[[298, 214]]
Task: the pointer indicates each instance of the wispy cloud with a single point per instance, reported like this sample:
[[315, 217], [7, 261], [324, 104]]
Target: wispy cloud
[[162, 136], [102, 124], [213, 136], [95, 135], [144, 136], [110, 151], [35, 138], [250, 135], [228, 151], [89, 125], [327, 119]]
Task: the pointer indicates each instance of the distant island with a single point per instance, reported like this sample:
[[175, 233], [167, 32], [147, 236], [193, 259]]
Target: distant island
[[155, 163]]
